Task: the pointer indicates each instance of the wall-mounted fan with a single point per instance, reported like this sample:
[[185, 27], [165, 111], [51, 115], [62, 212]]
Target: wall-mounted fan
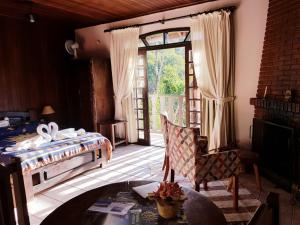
[[71, 47]]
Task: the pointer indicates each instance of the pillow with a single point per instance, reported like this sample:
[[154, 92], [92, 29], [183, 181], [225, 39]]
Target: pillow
[[27, 127], [3, 131], [15, 121]]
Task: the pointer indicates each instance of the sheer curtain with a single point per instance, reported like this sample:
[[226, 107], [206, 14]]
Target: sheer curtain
[[212, 51], [124, 54]]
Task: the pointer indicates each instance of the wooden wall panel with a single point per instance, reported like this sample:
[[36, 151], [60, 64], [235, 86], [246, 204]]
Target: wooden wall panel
[[32, 66], [103, 91], [79, 95]]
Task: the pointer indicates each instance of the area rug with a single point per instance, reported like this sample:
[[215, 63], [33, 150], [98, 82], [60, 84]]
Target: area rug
[[248, 203]]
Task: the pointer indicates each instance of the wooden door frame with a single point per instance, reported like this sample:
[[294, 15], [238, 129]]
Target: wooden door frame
[[146, 129], [144, 50]]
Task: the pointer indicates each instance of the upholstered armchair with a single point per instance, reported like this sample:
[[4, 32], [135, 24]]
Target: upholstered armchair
[[188, 156]]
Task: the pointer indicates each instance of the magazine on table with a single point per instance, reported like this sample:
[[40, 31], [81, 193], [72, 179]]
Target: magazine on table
[[108, 206]]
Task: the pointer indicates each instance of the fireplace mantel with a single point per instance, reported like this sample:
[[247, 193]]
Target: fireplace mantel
[[272, 104]]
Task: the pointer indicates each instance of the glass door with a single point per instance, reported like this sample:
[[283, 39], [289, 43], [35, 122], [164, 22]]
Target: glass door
[[141, 99], [193, 95]]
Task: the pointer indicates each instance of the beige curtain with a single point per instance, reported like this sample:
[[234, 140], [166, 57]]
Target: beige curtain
[[213, 57], [124, 54]]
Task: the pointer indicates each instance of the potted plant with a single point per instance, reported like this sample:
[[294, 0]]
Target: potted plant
[[169, 198]]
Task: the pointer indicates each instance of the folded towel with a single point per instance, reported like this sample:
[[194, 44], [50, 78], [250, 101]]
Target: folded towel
[[46, 133], [43, 137], [64, 134], [80, 132], [57, 134], [53, 129], [33, 142]]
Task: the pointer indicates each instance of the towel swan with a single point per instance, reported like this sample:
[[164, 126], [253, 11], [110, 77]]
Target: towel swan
[[43, 137], [57, 134], [46, 133]]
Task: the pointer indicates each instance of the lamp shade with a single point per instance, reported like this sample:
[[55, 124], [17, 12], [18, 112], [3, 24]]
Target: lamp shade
[[47, 110]]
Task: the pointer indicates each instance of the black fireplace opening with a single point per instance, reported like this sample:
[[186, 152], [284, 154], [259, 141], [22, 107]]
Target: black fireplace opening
[[275, 145]]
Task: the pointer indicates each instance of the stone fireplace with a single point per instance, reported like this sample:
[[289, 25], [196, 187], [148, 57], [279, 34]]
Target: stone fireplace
[[279, 73]]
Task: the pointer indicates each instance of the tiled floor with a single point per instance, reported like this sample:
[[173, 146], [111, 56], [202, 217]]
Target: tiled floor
[[135, 162]]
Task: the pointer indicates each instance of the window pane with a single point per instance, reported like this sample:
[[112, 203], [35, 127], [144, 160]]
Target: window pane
[[191, 81], [141, 134], [141, 72], [141, 61], [141, 43], [176, 36], [194, 117], [141, 124], [140, 83], [197, 93], [190, 56], [140, 114], [195, 105], [188, 37], [191, 68], [155, 39], [195, 125], [191, 90], [139, 92], [140, 103]]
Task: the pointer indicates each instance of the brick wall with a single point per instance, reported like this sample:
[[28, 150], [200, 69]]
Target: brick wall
[[280, 65]]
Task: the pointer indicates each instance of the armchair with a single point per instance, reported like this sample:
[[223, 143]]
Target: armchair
[[189, 157]]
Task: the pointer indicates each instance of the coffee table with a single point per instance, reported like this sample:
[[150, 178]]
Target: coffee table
[[198, 209]]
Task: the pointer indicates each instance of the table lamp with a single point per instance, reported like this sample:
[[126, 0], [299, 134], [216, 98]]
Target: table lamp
[[47, 112]]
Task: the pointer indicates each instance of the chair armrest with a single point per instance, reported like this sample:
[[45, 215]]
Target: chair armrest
[[226, 153]]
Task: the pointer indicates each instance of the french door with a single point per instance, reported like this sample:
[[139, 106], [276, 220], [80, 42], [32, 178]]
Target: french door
[[192, 96], [141, 99], [192, 92]]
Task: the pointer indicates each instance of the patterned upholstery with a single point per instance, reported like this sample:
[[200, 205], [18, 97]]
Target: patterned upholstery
[[217, 166], [188, 156], [164, 130]]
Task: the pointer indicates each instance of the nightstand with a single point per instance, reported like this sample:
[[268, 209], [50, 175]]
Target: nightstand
[[111, 124]]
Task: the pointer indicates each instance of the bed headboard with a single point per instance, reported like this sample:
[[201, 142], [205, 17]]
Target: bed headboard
[[30, 115], [23, 115]]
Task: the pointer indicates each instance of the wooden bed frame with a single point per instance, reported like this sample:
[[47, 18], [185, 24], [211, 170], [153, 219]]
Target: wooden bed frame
[[42, 178], [47, 176]]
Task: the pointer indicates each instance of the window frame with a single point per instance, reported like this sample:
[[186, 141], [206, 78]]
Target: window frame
[[165, 45]]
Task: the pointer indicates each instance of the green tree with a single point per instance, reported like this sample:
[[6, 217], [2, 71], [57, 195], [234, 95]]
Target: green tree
[[165, 66], [171, 82]]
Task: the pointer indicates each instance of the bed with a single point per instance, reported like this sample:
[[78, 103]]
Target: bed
[[53, 162]]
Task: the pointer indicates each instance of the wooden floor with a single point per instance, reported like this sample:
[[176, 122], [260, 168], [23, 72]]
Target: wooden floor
[[134, 162]]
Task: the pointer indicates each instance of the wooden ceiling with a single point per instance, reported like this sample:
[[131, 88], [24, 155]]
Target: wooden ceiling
[[89, 12]]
